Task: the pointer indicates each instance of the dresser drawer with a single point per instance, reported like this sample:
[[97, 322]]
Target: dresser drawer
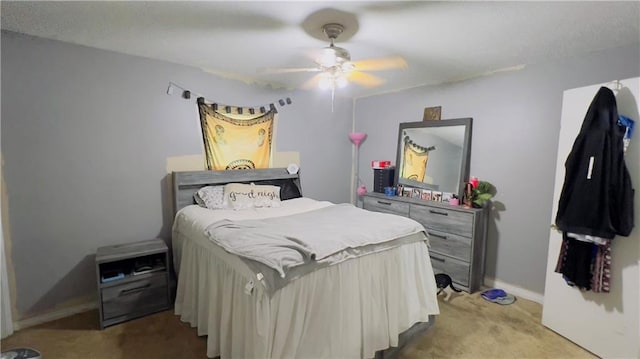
[[386, 206], [451, 244], [442, 219], [456, 269], [143, 296]]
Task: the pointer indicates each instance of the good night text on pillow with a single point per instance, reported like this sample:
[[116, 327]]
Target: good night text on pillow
[[233, 195]]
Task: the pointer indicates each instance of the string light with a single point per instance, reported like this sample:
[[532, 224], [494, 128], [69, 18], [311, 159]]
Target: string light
[[187, 94]]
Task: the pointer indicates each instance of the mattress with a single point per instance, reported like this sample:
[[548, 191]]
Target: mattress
[[349, 309]]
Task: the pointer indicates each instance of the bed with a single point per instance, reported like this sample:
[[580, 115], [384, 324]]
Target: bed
[[346, 307]]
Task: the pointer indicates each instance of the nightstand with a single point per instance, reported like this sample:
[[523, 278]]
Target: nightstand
[[133, 280]]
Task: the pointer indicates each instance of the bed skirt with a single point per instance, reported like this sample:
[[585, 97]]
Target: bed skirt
[[349, 310]]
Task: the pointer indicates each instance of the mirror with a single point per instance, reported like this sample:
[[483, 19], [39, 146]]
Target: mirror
[[434, 155]]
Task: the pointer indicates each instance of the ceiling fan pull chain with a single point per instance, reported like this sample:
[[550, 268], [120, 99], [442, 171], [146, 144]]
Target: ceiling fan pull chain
[[333, 96]]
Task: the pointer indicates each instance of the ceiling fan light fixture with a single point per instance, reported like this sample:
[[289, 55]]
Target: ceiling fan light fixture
[[328, 57], [342, 55], [333, 56], [325, 82], [331, 81], [347, 67]]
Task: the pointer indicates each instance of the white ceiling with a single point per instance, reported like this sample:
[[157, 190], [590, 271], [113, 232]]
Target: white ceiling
[[441, 41]]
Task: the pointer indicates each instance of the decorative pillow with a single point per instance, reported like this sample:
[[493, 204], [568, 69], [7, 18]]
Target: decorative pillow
[[288, 188], [199, 201], [211, 197], [267, 196], [244, 196]]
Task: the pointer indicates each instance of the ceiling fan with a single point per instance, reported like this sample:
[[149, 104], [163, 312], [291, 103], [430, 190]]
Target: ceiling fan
[[336, 69]]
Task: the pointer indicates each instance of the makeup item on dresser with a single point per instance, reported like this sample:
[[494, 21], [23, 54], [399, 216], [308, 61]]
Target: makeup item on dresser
[[390, 191], [380, 164]]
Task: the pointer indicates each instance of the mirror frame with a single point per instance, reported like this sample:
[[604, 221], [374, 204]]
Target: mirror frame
[[466, 146]]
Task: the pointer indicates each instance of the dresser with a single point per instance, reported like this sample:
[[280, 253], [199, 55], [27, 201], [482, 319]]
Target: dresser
[[457, 235]]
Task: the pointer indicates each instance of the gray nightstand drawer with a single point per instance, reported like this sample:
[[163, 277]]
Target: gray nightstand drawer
[[457, 270], [453, 245], [444, 220], [143, 296], [386, 206]]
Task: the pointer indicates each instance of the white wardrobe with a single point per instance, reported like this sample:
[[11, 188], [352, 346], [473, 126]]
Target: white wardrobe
[[606, 324]]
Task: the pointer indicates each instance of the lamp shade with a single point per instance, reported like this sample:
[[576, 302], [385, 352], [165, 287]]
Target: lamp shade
[[357, 137]]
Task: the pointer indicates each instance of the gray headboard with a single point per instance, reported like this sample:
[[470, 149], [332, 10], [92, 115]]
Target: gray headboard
[[185, 184]]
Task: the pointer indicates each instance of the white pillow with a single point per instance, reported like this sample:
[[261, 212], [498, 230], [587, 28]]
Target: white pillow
[[266, 196], [211, 197], [245, 196]]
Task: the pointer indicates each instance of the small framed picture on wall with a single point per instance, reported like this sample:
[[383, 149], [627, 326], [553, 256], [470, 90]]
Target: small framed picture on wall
[[436, 196], [432, 113]]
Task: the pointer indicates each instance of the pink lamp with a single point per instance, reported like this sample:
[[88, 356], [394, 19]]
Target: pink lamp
[[357, 138]]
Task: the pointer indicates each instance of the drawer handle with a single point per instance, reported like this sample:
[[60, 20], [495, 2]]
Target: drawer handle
[[437, 259], [437, 235], [387, 203], [136, 289], [438, 212]]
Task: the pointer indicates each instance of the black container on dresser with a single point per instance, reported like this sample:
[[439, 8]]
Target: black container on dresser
[[382, 178], [133, 280], [457, 235]]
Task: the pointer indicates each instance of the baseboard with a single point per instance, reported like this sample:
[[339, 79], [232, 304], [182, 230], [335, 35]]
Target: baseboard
[[54, 315], [514, 289]]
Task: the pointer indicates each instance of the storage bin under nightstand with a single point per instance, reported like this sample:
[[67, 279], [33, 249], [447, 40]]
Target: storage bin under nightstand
[[133, 280]]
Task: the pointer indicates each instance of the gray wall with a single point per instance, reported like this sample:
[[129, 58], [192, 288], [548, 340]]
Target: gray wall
[[85, 138], [516, 119]]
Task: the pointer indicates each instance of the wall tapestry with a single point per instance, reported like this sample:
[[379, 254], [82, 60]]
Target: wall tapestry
[[236, 140]]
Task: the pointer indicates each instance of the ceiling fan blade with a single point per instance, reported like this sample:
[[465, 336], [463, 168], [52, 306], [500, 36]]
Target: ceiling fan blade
[[311, 83], [288, 70], [383, 63], [365, 79]]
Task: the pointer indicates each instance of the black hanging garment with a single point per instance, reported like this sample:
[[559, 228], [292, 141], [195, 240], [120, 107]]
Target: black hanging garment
[[597, 195]]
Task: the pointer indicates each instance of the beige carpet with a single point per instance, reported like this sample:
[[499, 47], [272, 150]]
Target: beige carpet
[[468, 327], [471, 327]]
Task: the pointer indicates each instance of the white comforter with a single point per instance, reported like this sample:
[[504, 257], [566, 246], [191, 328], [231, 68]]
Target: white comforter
[[193, 221], [289, 241]]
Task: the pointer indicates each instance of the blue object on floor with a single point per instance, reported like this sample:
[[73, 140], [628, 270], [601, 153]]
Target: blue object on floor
[[492, 294], [498, 296]]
